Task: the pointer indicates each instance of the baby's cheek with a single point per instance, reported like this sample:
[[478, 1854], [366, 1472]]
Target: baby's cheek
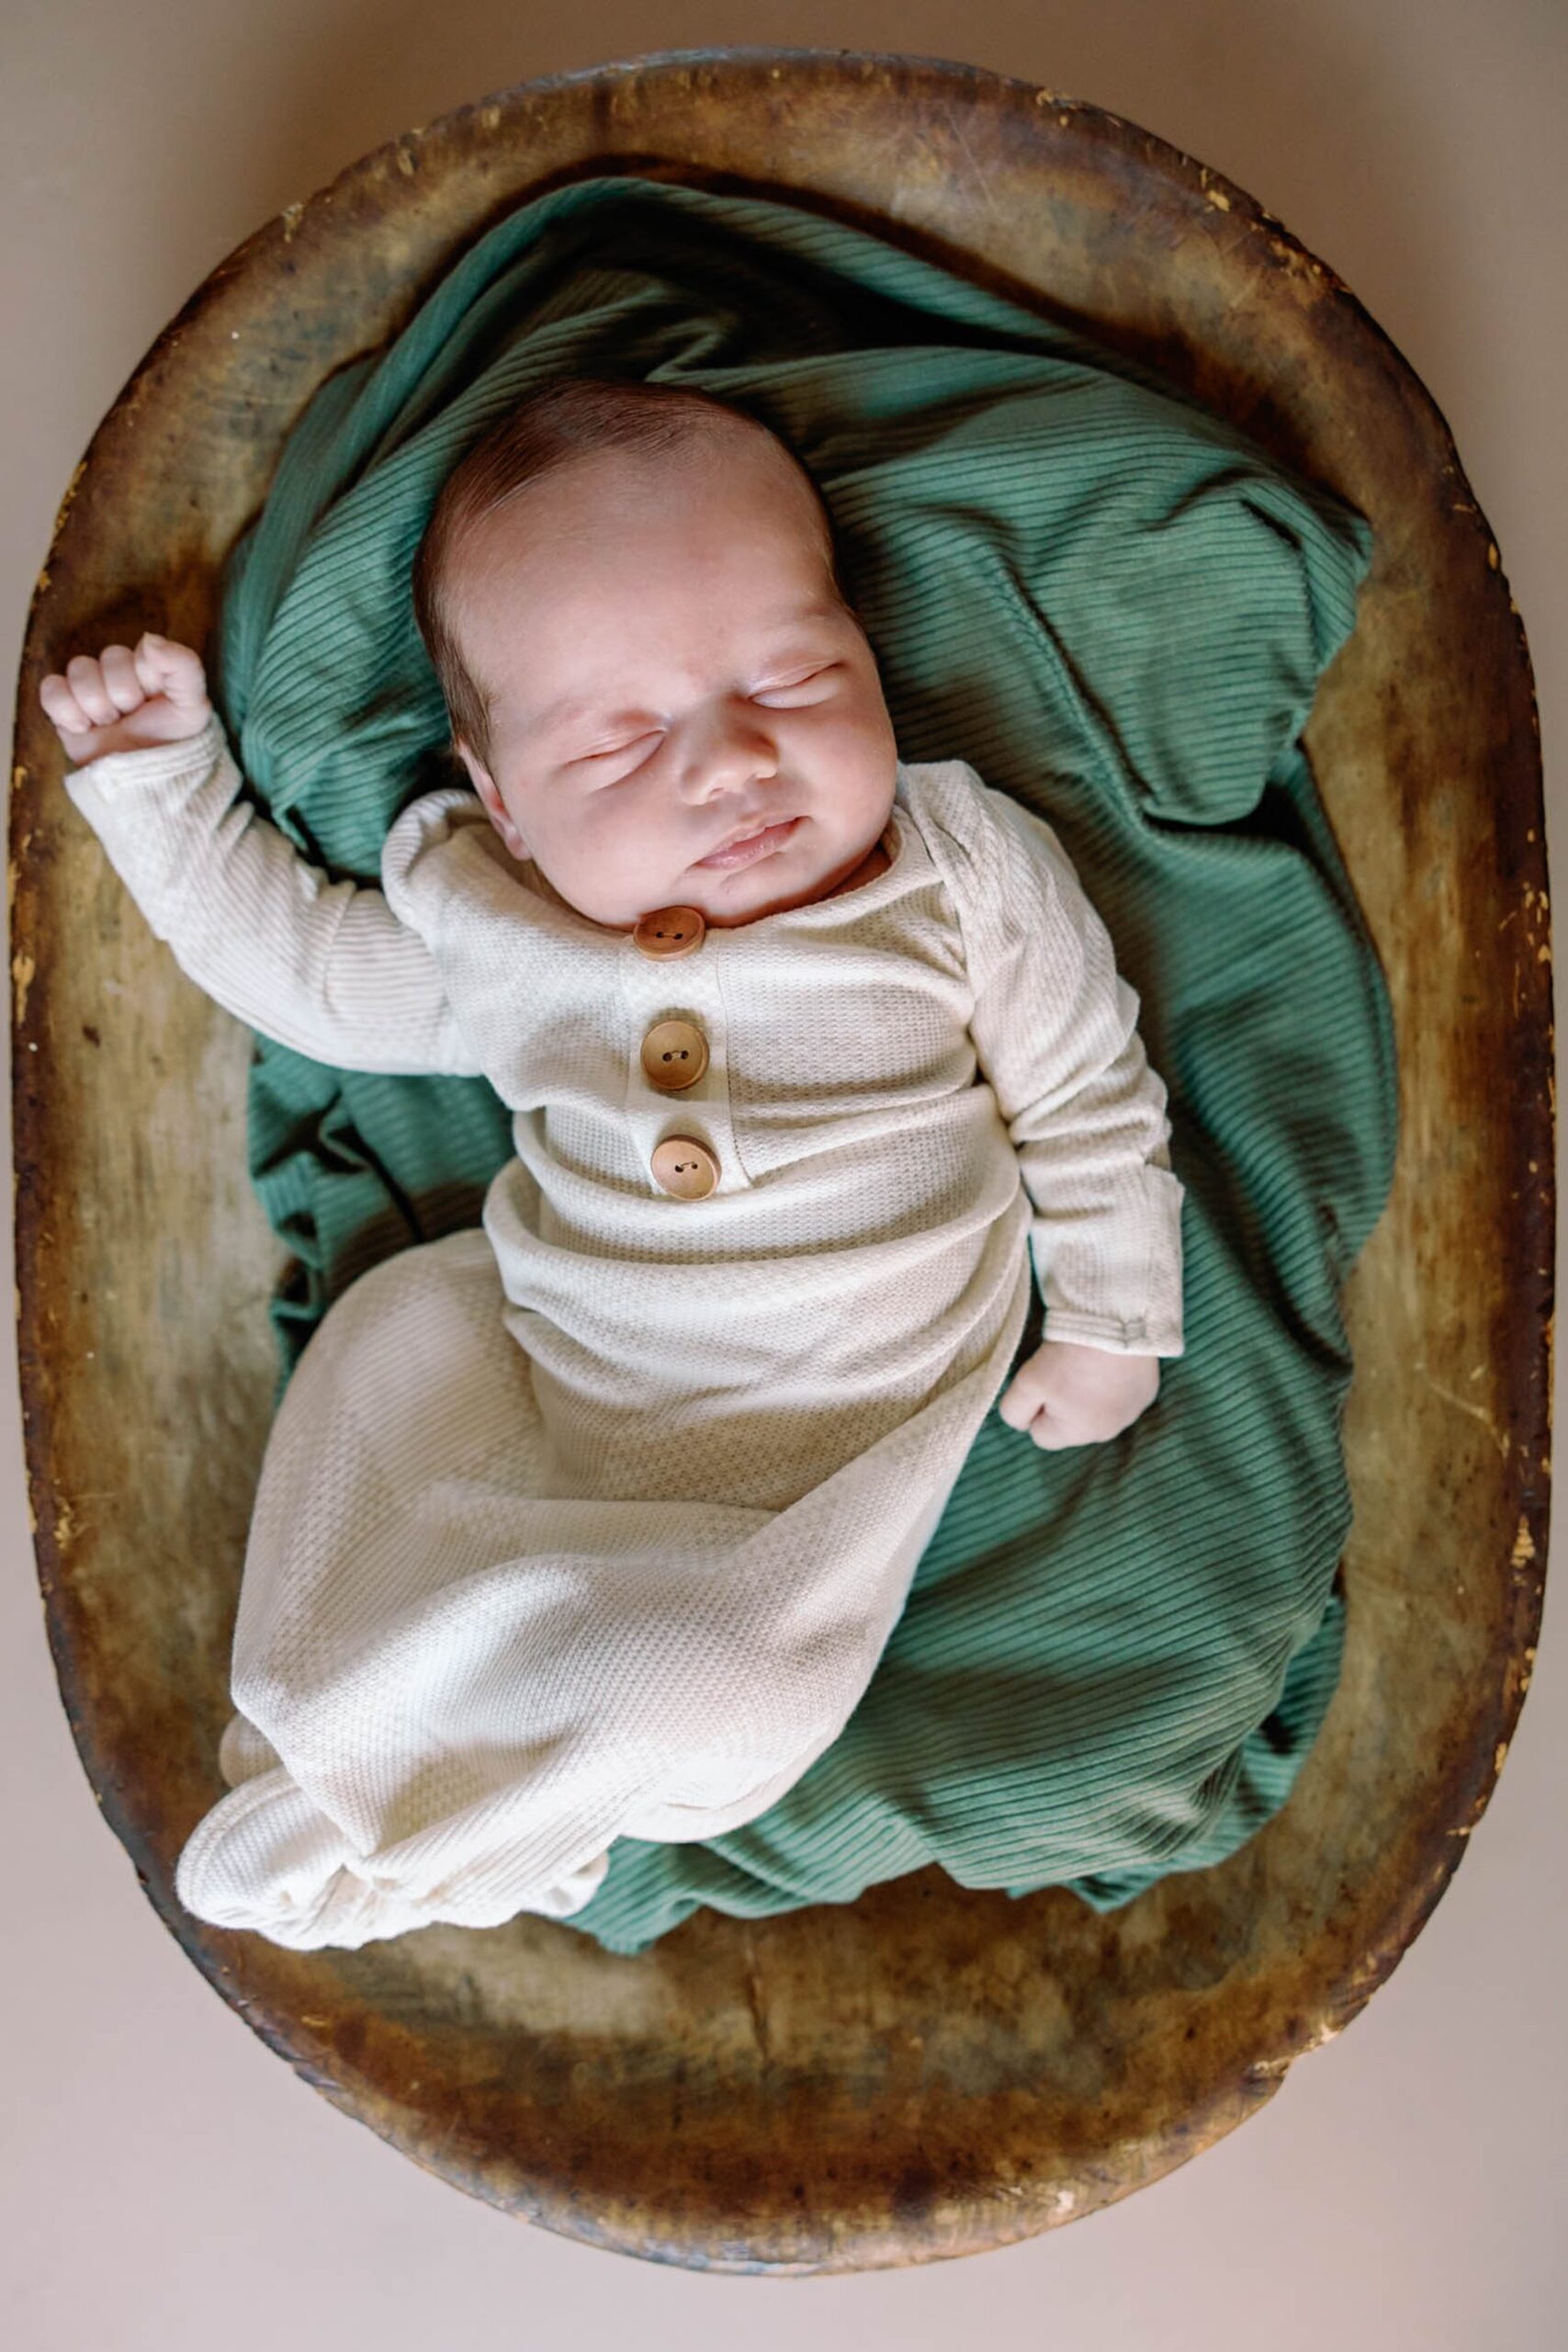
[[630, 863], [854, 763], [601, 837], [865, 721]]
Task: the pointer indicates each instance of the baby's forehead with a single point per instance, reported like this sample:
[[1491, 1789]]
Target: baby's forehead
[[535, 522], [659, 486], [513, 566], [500, 573]]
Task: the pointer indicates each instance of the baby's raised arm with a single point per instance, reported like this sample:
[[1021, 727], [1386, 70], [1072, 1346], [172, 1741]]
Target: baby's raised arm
[[323, 967]]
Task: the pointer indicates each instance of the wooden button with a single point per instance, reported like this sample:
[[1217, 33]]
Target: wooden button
[[674, 1055], [669, 931], [684, 1166]]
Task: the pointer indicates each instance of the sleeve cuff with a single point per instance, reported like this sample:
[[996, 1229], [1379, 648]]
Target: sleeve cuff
[[124, 773], [1130, 1336]]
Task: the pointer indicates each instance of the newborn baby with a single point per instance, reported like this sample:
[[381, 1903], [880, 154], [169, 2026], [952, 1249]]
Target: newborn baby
[[594, 1523]]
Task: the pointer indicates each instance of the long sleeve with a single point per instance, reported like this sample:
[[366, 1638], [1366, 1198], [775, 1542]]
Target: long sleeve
[[325, 968], [1054, 1031]]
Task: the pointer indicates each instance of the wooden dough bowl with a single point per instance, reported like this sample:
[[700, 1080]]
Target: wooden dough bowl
[[928, 2072]]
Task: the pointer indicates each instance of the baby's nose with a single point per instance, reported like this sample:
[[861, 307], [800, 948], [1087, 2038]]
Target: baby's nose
[[734, 748]]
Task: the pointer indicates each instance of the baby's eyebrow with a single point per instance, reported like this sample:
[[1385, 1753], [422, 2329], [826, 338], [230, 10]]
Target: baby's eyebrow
[[567, 709]]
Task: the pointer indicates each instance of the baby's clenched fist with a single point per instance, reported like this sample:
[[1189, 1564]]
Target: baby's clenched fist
[[124, 701], [1069, 1395]]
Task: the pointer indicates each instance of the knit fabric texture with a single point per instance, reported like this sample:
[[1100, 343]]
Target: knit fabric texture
[[1117, 608]]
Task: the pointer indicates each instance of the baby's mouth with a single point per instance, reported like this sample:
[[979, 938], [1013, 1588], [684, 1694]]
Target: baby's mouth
[[755, 845]]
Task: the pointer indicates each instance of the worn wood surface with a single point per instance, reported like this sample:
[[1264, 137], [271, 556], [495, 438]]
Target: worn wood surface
[[927, 2072]]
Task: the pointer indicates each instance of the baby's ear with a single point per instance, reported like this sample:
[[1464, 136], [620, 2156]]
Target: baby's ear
[[495, 806]]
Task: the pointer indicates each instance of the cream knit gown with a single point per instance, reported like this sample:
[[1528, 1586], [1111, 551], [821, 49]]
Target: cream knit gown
[[596, 1522]]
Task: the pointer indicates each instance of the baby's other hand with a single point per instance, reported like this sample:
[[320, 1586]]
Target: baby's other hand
[[124, 701], [1069, 1395]]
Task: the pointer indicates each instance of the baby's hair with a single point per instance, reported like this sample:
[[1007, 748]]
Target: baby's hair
[[566, 419]]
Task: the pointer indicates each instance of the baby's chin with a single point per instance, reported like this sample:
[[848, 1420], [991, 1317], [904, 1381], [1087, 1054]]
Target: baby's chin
[[747, 893], [725, 896]]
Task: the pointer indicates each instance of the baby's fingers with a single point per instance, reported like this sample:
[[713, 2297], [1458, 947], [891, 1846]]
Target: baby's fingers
[[1018, 1405], [166, 667], [61, 706], [91, 696], [117, 666], [127, 701]]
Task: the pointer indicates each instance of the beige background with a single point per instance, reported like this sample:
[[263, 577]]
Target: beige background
[[168, 2183]]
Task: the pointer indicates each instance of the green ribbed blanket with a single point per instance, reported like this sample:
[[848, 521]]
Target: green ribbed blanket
[[1113, 1659]]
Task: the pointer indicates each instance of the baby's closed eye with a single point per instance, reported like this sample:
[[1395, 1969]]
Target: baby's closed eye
[[769, 696], [812, 678]]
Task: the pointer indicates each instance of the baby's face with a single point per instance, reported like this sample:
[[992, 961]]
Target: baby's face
[[668, 670]]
